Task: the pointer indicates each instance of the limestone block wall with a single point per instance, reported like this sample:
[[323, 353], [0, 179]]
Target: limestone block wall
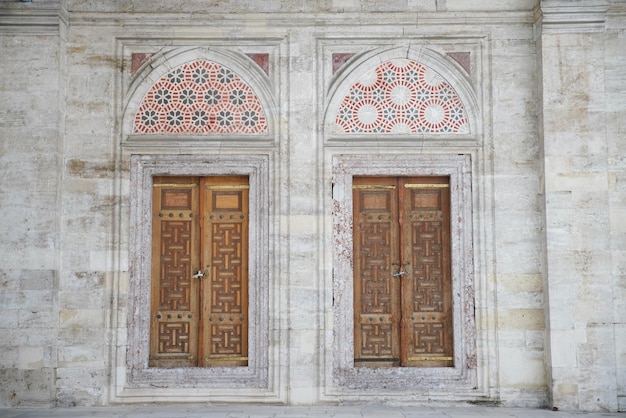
[[615, 86], [87, 215], [29, 202], [543, 170], [517, 216], [580, 136]]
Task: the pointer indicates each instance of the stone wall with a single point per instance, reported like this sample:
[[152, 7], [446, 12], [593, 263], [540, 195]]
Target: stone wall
[[544, 88], [517, 215], [615, 87], [584, 286], [29, 198]]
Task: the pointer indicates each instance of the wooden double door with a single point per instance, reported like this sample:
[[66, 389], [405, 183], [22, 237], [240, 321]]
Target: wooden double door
[[402, 272], [199, 297]]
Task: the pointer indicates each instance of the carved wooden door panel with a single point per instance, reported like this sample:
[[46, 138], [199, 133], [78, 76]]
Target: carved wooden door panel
[[225, 255], [175, 253], [376, 294], [199, 303], [402, 274], [426, 286]]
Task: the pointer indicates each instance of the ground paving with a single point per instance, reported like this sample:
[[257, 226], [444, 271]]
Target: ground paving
[[249, 411]]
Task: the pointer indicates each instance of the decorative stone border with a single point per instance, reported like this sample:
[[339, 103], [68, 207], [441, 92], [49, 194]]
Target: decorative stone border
[[138, 375], [365, 380]]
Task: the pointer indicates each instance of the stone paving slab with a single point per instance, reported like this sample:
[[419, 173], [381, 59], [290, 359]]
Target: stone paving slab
[[251, 411]]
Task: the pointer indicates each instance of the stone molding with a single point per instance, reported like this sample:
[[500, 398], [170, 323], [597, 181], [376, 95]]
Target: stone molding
[[264, 20], [563, 16], [30, 18], [44, 16]]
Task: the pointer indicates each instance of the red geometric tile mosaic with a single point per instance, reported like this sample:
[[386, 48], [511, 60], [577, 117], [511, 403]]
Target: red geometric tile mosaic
[[201, 97], [401, 96]]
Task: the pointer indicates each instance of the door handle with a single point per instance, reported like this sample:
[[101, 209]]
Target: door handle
[[199, 275], [400, 273]]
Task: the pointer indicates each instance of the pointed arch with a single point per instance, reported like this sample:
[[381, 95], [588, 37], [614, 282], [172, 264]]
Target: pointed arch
[[200, 92], [399, 91]]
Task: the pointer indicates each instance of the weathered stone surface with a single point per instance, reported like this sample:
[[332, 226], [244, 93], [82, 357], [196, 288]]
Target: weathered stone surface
[[539, 238], [30, 387]]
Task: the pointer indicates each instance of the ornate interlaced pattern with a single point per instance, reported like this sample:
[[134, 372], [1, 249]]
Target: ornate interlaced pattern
[[401, 96], [200, 97], [175, 255]]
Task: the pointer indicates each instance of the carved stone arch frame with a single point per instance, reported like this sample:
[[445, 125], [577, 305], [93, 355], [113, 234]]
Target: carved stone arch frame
[[459, 156], [425, 55], [147, 156], [163, 62]]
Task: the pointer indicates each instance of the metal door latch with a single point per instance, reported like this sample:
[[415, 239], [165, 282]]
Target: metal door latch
[[400, 273], [199, 275]]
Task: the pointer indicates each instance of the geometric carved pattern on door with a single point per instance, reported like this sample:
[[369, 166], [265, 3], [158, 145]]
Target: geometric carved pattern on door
[[225, 255], [175, 265], [428, 339], [174, 337], [226, 339], [429, 307], [376, 245], [402, 286], [376, 330], [199, 274], [376, 341], [427, 266], [227, 265], [174, 306], [376, 293]]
